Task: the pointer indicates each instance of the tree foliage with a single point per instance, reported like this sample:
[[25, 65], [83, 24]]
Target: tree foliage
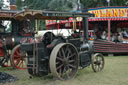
[[119, 3], [19, 4], [62, 5], [102, 3], [67, 5]]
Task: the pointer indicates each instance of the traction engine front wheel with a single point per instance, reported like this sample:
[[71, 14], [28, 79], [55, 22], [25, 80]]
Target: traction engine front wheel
[[97, 62], [64, 61]]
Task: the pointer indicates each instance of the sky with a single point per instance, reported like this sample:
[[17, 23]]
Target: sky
[[6, 2]]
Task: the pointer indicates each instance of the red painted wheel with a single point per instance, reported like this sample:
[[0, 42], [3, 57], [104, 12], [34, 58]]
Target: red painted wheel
[[18, 61]]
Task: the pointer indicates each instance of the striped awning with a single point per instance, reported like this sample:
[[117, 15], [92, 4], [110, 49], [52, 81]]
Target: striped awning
[[106, 19]]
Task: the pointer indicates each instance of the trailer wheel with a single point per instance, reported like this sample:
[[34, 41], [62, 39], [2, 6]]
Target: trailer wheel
[[64, 61], [97, 62], [18, 61]]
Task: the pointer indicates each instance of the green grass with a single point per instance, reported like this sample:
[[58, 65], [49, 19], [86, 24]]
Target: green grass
[[114, 73]]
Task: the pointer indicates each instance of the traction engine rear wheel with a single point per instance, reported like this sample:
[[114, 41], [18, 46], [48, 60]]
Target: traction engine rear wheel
[[64, 61], [18, 61], [97, 62]]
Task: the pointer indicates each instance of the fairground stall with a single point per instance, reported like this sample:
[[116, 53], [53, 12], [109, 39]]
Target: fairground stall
[[110, 25]]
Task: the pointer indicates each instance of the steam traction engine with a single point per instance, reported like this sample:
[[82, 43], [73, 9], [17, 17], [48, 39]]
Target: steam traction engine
[[57, 54], [12, 33]]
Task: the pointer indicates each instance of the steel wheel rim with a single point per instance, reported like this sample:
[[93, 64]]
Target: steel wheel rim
[[64, 66], [19, 62], [97, 62]]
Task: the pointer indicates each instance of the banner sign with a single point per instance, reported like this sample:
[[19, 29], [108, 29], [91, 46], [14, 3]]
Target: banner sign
[[49, 22], [110, 12]]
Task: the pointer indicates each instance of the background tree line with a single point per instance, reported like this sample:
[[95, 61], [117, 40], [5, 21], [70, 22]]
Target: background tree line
[[67, 5], [64, 5]]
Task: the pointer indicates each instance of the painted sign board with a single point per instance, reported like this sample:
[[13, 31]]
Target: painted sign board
[[110, 13]]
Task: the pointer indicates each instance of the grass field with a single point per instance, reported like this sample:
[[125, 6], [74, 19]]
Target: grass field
[[114, 73]]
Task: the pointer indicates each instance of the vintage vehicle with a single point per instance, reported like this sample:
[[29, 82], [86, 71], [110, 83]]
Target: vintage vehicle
[[12, 33], [58, 54]]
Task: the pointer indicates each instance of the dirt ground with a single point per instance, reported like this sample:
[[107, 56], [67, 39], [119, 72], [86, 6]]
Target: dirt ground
[[114, 73]]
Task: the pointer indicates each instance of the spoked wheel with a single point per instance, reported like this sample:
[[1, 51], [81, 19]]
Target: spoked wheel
[[64, 61], [4, 59], [18, 61], [4, 62], [2, 56], [97, 62], [7, 63]]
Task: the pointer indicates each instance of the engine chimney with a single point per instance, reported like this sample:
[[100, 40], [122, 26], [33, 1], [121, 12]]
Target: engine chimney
[[13, 5]]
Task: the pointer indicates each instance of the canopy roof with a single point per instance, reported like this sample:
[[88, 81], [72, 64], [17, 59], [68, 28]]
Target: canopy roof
[[7, 14], [49, 15]]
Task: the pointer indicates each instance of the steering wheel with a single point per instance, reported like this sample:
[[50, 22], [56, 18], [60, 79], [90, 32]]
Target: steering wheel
[[48, 38]]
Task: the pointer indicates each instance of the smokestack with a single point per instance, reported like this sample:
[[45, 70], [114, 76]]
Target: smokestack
[[13, 5]]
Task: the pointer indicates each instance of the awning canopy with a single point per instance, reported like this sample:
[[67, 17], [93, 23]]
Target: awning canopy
[[106, 19], [7, 14], [49, 15]]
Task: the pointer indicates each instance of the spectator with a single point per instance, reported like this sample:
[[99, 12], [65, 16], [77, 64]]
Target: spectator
[[124, 33], [116, 37], [104, 35]]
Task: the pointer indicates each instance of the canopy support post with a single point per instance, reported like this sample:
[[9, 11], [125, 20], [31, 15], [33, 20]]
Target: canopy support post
[[109, 30]]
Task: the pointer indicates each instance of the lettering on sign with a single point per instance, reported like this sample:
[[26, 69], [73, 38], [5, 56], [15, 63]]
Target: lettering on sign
[[111, 12]]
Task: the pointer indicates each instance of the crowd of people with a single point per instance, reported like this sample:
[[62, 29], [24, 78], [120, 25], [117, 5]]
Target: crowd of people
[[115, 36]]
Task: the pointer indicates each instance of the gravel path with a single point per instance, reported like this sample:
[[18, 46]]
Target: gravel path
[[4, 78]]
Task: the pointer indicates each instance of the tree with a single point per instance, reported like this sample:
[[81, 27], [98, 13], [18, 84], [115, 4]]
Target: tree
[[67, 5], [36, 4], [19, 4], [60, 5], [102, 3], [119, 3], [63, 5], [93, 3]]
